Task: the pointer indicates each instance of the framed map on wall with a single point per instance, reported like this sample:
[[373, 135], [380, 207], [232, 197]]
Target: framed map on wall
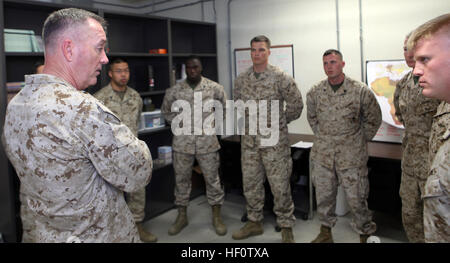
[[382, 77]]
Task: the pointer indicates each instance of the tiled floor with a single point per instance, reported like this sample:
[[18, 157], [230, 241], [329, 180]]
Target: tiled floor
[[200, 229]]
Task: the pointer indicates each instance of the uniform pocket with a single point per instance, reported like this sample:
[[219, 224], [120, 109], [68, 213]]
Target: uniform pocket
[[107, 115], [433, 188]]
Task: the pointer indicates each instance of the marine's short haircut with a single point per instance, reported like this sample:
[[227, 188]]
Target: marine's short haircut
[[428, 29], [63, 19], [261, 38], [193, 57], [333, 51], [117, 61]]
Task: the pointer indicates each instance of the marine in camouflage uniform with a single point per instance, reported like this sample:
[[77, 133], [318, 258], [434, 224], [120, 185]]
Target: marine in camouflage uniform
[[416, 112], [343, 121], [437, 187], [271, 162], [74, 158], [261, 156], [203, 147], [429, 43], [126, 103], [128, 109]]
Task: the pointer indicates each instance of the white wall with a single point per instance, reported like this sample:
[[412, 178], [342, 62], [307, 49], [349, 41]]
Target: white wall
[[311, 27], [289, 22]]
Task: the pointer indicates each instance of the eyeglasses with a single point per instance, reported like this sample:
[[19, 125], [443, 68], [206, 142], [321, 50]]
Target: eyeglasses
[[119, 71]]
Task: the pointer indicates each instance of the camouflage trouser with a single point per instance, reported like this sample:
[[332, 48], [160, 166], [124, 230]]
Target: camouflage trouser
[[436, 213], [275, 163], [356, 186], [136, 203], [411, 190], [209, 164], [28, 225]]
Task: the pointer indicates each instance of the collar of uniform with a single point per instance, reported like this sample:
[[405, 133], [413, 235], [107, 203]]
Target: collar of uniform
[[341, 91], [443, 108], [45, 79], [114, 93], [410, 78], [269, 68], [199, 85]]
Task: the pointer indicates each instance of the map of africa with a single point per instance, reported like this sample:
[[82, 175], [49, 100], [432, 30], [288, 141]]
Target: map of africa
[[382, 76]]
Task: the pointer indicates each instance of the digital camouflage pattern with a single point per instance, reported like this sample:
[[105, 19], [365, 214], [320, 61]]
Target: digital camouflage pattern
[[203, 147], [73, 158], [439, 128], [193, 144], [275, 162], [416, 113], [272, 84], [343, 122], [356, 187], [411, 190], [437, 188], [209, 164], [129, 111]]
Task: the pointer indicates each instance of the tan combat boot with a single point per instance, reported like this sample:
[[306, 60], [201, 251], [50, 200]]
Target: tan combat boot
[[145, 236], [363, 238], [220, 227], [324, 235], [286, 235], [180, 222], [249, 229]]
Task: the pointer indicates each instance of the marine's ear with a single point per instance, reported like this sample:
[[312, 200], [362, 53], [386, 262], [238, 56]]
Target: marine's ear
[[67, 47]]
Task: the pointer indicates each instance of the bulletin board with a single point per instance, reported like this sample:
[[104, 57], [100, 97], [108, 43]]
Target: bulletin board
[[281, 56]]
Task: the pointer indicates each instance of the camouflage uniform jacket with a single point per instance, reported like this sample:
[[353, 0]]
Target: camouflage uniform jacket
[[273, 84], [73, 158], [343, 122], [439, 146], [209, 90], [416, 113], [439, 179], [439, 128], [127, 109]]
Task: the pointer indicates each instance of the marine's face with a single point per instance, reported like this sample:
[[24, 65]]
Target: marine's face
[[260, 53], [333, 65], [432, 57], [91, 54], [119, 74], [409, 55], [194, 70]]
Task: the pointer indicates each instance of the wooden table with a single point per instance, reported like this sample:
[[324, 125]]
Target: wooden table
[[384, 150], [376, 149]]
